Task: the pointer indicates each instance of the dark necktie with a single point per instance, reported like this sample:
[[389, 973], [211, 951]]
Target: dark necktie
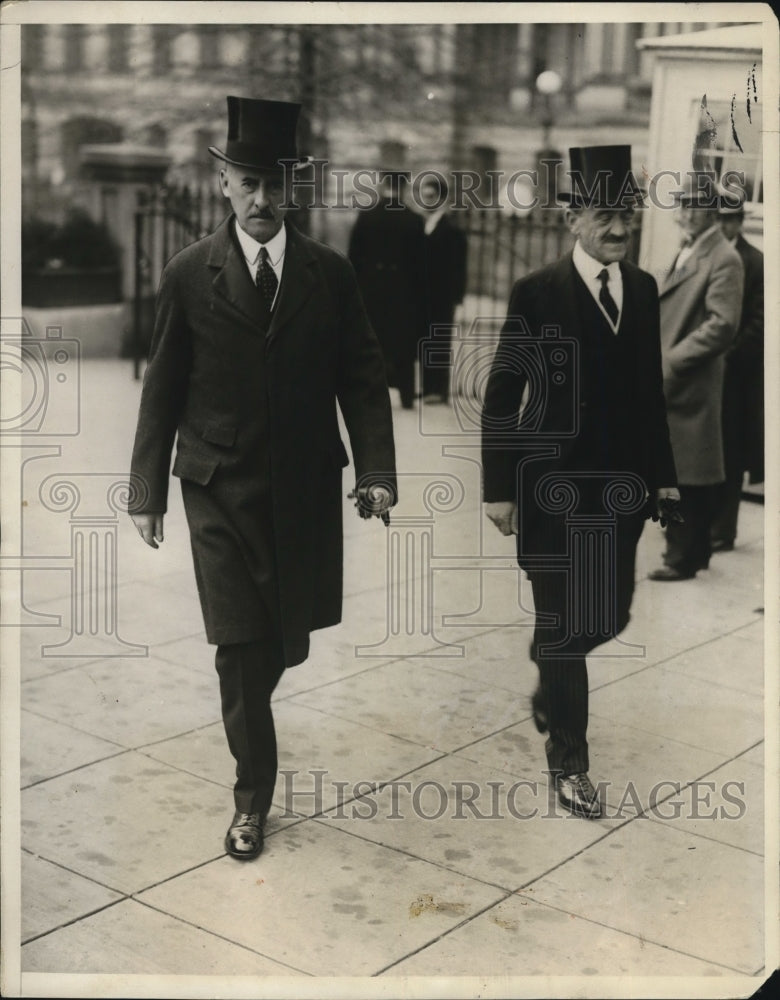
[[266, 279], [610, 306]]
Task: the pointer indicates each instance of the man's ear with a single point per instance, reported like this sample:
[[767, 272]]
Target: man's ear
[[223, 181], [572, 217]]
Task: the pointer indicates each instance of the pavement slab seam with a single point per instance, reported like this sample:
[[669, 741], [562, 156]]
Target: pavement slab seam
[[444, 934], [417, 857], [674, 656], [406, 739], [373, 729], [652, 940], [643, 813], [219, 937], [159, 647], [686, 743], [379, 787], [336, 680], [78, 661], [703, 836], [121, 751], [637, 937], [74, 920], [74, 871]]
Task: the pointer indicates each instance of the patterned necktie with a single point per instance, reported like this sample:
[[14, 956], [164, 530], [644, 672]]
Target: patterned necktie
[[266, 279], [610, 306]]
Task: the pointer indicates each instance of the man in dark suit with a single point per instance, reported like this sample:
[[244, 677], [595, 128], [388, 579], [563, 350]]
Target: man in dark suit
[[701, 297], [446, 250], [576, 468], [743, 387], [259, 332], [386, 248]]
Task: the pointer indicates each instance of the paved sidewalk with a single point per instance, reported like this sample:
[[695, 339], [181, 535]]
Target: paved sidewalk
[[465, 867]]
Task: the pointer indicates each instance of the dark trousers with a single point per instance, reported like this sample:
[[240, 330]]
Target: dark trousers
[[562, 638], [248, 673], [688, 545], [726, 508], [727, 495], [564, 684], [436, 376]]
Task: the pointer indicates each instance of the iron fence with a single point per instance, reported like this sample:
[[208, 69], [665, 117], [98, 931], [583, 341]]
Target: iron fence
[[501, 247]]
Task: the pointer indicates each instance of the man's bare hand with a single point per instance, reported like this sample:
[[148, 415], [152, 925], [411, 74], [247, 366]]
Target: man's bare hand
[[504, 515], [150, 528]]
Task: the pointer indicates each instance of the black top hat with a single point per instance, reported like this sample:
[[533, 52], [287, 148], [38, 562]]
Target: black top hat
[[260, 134], [601, 177]]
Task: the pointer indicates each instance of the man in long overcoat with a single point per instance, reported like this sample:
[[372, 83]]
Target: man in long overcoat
[[577, 466], [743, 388], [701, 298], [386, 248], [446, 250], [259, 332]]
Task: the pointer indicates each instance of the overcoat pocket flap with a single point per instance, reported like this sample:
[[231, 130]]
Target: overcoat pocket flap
[[219, 434], [197, 468]]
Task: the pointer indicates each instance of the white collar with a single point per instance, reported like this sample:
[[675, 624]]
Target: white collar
[[432, 219], [275, 246], [589, 268]]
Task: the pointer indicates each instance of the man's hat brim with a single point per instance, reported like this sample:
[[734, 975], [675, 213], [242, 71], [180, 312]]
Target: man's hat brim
[[297, 162], [570, 199]]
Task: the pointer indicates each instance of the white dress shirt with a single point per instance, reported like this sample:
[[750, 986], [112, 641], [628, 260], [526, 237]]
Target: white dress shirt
[[589, 269], [276, 247]]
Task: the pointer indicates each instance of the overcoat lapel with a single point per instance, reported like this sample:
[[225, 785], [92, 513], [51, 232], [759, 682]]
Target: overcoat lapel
[[691, 266], [232, 280], [680, 274], [563, 295], [298, 282]]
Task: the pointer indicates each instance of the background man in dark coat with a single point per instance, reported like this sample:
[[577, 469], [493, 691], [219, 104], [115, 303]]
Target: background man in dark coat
[[743, 388], [701, 297], [259, 332], [386, 248], [446, 249], [577, 468]]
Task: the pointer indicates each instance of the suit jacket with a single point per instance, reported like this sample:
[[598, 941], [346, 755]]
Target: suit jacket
[[546, 347], [259, 451], [700, 306]]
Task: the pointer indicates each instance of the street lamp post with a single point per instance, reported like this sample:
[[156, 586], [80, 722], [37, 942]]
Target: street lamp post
[[548, 83]]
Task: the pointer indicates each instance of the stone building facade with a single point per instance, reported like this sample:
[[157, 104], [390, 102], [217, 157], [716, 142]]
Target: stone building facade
[[418, 96]]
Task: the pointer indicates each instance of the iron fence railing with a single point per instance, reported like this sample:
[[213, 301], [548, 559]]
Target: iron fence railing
[[501, 247]]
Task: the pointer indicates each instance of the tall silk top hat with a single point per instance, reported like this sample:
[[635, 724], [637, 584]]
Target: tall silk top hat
[[260, 134], [601, 177]]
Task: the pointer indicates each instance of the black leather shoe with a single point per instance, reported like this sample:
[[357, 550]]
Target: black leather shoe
[[669, 573], [721, 545], [539, 711], [577, 794], [244, 839]]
